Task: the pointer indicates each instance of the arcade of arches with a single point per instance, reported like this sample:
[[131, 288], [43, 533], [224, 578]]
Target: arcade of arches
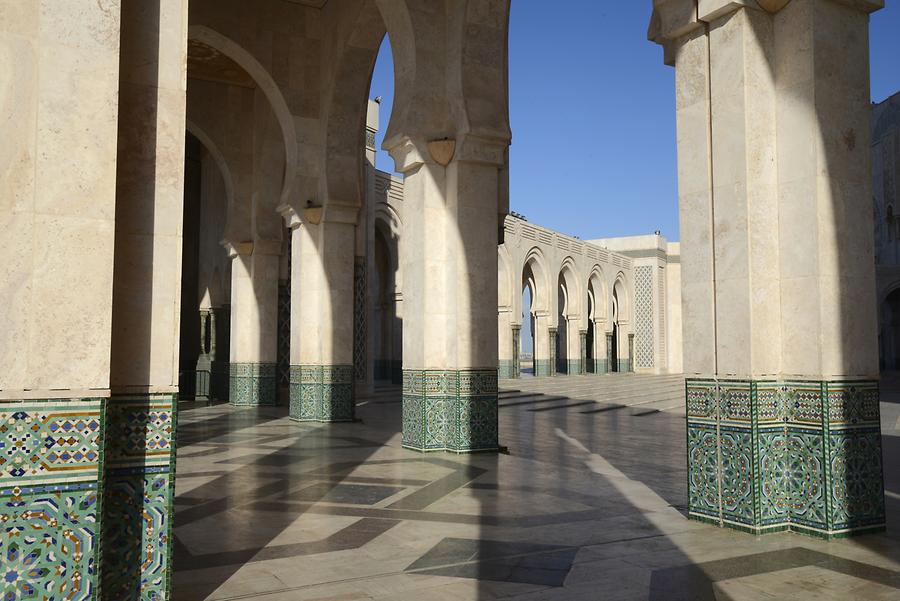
[[191, 209]]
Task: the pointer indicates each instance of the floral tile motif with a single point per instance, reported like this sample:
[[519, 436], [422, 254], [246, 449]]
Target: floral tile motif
[[855, 466], [802, 455], [736, 456], [50, 542], [450, 410], [253, 384], [703, 487], [322, 393]]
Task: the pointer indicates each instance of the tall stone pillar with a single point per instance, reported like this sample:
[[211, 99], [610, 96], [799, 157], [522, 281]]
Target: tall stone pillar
[[544, 348], [449, 262], [506, 350], [778, 271], [610, 354], [516, 345], [601, 359], [574, 361], [322, 310], [552, 342], [254, 323]]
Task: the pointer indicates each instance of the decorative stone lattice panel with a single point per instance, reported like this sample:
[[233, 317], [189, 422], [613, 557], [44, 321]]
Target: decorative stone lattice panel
[[643, 316]]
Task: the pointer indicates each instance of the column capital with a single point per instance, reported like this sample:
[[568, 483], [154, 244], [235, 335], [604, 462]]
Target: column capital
[[411, 152], [292, 219], [235, 249]]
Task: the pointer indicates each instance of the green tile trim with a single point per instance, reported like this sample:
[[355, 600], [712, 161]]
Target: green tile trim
[[601, 366], [322, 393], [51, 486], [573, 367], [800, 455], [507, 369], [452, 410], [253, 384], [543, 368]]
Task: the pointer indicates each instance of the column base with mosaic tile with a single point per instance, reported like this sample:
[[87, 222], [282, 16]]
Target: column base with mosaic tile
[[767, 456], [252, 384], [138, 497], [322, 393], [51, 479], [450, 410]]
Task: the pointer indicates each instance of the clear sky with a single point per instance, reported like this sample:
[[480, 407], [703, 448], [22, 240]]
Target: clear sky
[[592, 109]]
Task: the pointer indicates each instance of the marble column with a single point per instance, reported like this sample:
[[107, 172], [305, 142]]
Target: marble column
[[777, 264], [448, 253], [574, 361], [609, 353], [601, 359], [552, 343], [582, 338], [506, 351], [516, 345], [544, 348], [254, 322], [322, 310]]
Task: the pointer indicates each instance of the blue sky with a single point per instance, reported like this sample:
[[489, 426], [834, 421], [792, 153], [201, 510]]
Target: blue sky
[[593, 115]]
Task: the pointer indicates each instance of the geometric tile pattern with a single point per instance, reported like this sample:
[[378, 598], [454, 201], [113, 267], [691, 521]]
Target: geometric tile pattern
[[51, 458], [283, 344], [643, 315], [574, 367], [450, 410], [322, 393], [138, 496], [253, 384], [359, 319], [765, 456]]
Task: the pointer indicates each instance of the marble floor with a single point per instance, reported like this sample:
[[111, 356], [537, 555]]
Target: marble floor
[[586, 502]]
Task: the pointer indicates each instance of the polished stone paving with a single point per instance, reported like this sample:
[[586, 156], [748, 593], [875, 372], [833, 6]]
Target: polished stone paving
[[586, 502]]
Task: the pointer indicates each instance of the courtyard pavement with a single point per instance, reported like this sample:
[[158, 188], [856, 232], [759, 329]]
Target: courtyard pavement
[[587, 502]]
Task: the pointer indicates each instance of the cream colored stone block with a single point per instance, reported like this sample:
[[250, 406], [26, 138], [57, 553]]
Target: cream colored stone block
[[91, 26], [71, 303], [801, 326], [18, 102], [20, 18], [76, 164], [16, 318]]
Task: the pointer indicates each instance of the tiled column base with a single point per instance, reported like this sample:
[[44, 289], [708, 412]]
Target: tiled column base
[[138, 496], [543, 368], [601, 366], [50, 481], [450, 410], [322, 393], [624, 365], [507, 369], [765, 456], [573, 367], [252, 384]]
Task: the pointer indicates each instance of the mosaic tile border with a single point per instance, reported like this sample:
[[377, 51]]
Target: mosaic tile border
[[253, 384], [51, 481], [322, 393], [450, 410], [139, 495], [766, 456]]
